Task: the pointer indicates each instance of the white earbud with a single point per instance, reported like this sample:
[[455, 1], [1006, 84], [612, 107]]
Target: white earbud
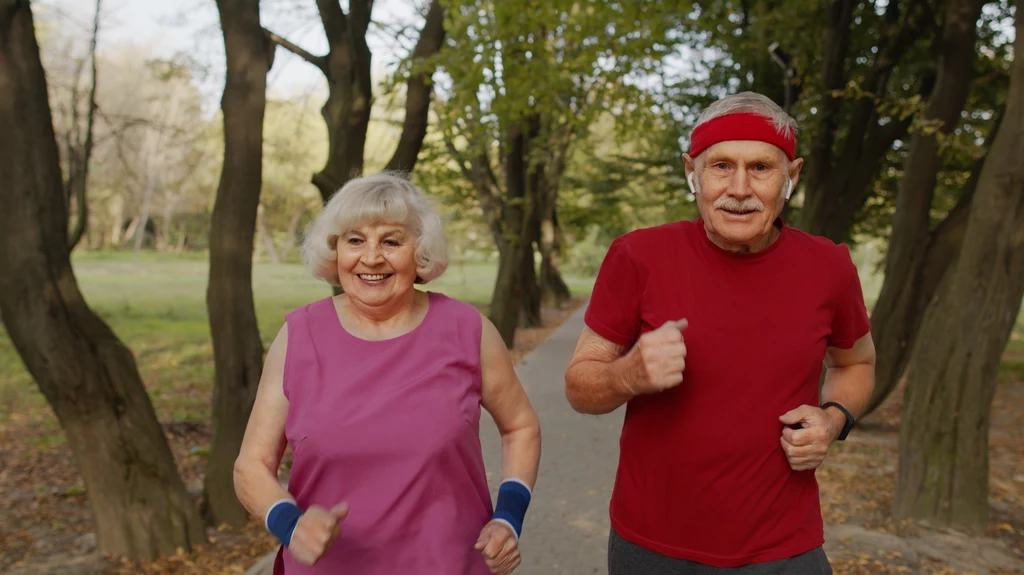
[[789, 189], [689, 182]]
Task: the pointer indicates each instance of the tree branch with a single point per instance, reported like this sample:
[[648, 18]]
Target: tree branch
[[419, 90], [359, 23], [865, 127], [459, 158], [359, 13], [335, 22], [319, 61], [483, 183], [836, 48]]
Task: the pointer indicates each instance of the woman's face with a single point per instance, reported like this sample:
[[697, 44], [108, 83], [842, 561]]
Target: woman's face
[[377, 262]]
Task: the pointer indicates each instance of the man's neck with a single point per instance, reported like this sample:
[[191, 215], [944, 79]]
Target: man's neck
[[745, 248]]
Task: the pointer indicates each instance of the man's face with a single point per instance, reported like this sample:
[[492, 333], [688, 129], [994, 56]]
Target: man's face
[[742, 189]]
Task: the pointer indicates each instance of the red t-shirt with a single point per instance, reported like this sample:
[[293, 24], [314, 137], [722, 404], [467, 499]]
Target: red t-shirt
[[702, 475]]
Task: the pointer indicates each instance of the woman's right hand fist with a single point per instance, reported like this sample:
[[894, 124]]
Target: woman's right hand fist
[[315, 532]]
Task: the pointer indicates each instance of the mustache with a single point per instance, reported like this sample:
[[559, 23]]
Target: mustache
[[734, 205]]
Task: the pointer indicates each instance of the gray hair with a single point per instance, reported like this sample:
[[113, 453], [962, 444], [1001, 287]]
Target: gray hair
[[387, 197], [751, 103]]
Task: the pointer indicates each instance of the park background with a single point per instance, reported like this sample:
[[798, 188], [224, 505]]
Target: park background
[[541, 131]]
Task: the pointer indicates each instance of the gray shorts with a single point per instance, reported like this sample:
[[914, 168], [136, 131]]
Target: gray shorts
[[626, 558]]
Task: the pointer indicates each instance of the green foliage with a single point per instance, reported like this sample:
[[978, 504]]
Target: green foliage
[[727, 50], [965, 145], [294, 148], [582, 77], [587, 253], [620, 182]]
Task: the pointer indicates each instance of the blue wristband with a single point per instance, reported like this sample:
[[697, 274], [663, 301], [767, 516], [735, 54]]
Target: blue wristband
[[513, 499], [281, 520]]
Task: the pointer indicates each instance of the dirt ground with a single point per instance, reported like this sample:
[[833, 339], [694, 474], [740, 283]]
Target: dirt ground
[[857, 484], [45, 524]]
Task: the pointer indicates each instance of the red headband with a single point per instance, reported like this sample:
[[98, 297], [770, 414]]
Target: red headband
[[744, 126]]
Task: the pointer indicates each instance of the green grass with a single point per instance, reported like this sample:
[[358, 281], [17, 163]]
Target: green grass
[[156, 304]]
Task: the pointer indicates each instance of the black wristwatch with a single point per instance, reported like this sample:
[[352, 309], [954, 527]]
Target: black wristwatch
[[850, 420]]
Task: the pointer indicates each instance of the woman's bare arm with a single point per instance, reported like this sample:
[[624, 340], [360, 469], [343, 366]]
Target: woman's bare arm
[[503, 396], [255, 473]]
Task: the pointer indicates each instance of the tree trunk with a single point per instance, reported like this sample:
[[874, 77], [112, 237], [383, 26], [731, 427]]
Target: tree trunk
[[840, 177], [347, 69], [117, 227], [529, 310], [834, 195], [268, 240], [506, 302], [181, 238], [237, 349], [896, 319], [529, 232], [293, 231], [554, 290], [167, 227], [129, 233], [766, 77], [82, 183], [142, 222], [139, 503], [943, 472], [901, 303], [350, 97], [419, 91]]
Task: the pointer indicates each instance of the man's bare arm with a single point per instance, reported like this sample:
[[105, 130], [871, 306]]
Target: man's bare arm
[[601, 377], [849, 379], [595, 379]]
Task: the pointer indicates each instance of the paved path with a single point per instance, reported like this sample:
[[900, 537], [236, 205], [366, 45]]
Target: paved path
[[566, 529]]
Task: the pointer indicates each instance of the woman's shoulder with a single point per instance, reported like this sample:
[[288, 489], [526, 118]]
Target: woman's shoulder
[[316, 308], [452, 306], [447, 310]]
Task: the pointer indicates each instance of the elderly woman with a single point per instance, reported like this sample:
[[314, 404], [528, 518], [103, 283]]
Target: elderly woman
[[378, 393]]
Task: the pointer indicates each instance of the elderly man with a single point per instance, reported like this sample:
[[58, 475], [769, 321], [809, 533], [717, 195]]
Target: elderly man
[[713, 333]]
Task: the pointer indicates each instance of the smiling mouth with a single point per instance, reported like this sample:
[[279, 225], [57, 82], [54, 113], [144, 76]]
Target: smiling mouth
[[374, 277], [738, 212]]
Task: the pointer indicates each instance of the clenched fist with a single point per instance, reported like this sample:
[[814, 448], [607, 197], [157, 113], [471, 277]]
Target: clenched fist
[[316, 532], [662, 355], [807, 446], [500, 548]]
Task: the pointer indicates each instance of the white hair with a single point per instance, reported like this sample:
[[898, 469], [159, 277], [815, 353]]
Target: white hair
[[750, 103], [387, 197]]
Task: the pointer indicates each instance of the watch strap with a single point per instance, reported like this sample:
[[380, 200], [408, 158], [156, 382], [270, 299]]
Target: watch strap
[[850, 420]]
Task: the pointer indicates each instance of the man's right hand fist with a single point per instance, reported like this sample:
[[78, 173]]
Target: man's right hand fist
[[662, 354]]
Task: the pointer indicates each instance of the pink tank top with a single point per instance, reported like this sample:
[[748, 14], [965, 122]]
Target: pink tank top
[[391, 427]]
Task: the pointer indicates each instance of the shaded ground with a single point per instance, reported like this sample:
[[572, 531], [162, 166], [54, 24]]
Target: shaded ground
[[859, 478], [44, 520]]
